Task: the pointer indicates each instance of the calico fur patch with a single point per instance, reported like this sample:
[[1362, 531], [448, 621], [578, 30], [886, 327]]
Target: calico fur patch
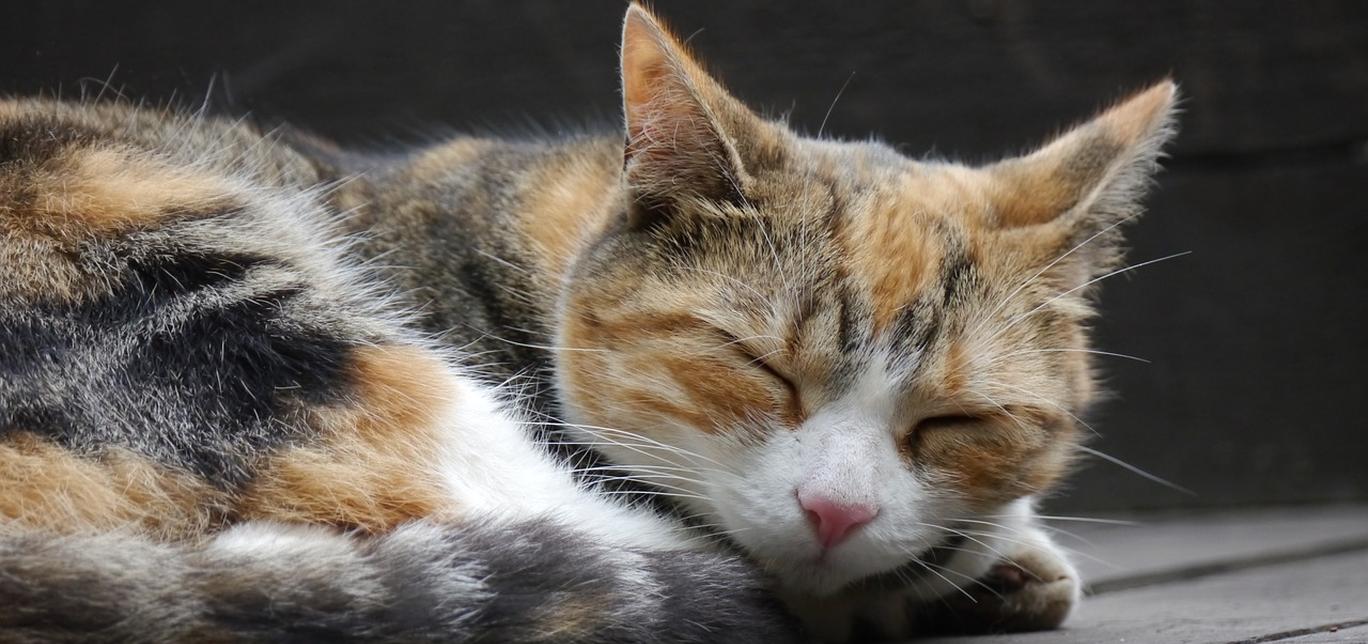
[[376, 464]]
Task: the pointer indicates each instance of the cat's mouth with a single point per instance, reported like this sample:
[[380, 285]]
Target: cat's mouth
[[926, 563]]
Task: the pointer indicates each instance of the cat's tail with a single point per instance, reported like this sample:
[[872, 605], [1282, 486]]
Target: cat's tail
[[267, 582]]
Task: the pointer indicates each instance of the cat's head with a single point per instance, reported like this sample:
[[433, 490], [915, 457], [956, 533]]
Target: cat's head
[[828, 350]]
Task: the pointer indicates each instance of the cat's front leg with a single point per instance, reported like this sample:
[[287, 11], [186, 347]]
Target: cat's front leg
[[1033, 587]]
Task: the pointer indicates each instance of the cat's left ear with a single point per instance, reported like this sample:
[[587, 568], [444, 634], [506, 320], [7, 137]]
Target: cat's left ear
[[686, 136], [1092, 177]]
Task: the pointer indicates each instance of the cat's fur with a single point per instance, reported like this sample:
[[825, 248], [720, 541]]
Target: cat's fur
[[245, 378]]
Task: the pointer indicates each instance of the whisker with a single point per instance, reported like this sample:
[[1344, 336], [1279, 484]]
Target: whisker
[[592, 429], [1092, 351], [635, 448], [1020, 424], [1027, 543], [653, 493], [1075, 552], [972, 580], [987, 547], [760, 359], [627, 474], [832, 107], [1018, 319], [1050, 517], [1006, 300], [931, 570], [748, 338], [1056, 530], [615, 467], [1051, 403], [727, 277], [1134, 470], [641, 479]]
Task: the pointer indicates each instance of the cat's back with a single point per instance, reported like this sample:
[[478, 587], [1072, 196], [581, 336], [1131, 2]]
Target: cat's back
[[455, 229], [474, 230], [46, 133], [156, 259]]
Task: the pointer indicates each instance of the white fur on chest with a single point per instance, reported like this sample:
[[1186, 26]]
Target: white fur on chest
[[495, 469]]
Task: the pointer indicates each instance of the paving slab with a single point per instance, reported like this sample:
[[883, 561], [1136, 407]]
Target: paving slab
[[1336, 634], [1241, 606], [1112, 556], [1289, 575]]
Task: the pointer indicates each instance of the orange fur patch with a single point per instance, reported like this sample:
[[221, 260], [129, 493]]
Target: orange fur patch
[[954, 375], [449, 157], [376, 466], [649, 403], [1001, 460], [107, 189], [640, 325], [110, 189], [566, 210], [1023, 199], [48, 209], [725, 392], [50, 488], [895, 253], [709, 391]]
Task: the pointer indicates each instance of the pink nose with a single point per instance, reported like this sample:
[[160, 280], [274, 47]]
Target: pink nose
[[834, 521]]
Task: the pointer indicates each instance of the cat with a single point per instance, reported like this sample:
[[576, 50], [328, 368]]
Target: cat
[[675, 384]]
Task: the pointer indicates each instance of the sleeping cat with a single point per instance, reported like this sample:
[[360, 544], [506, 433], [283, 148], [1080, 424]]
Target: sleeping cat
[[672, 387]]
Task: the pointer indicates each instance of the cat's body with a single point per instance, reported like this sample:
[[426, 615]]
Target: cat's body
[[250, 383]]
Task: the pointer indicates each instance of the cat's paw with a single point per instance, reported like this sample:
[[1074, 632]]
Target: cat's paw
[[1033, 588]]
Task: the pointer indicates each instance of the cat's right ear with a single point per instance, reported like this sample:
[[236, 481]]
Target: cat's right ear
[[1074, 192], [686, 136]]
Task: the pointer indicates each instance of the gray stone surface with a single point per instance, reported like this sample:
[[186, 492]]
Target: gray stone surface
[[1354, 634], [1286, 576], [1235, 607], [1107, 554]]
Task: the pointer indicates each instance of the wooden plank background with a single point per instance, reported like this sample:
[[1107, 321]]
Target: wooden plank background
[[1255, 391]]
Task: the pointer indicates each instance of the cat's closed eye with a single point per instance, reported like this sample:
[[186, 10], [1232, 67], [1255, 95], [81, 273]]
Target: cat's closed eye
[[754, 358], [946, 421], [1015, 417], [943, 425], [761, 360]]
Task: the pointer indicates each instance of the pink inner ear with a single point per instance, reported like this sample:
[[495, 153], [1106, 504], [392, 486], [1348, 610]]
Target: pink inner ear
[[671, 142], [669, 125], [655, 86]]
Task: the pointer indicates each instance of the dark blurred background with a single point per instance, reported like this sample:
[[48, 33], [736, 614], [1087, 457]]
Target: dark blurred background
[[1256, 340]]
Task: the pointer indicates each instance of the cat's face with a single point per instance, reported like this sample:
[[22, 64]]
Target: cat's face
[[831, 352]]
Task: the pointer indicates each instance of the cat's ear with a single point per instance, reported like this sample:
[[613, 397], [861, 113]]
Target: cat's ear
[[686, 136], [1091, 178]]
